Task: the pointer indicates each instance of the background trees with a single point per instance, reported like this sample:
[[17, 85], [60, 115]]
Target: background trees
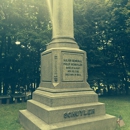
[[101, 29], [27, 22]]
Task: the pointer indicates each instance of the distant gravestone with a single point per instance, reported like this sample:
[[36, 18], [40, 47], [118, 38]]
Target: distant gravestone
[[64, 100]]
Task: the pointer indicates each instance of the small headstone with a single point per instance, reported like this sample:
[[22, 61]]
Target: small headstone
[[120, 121]]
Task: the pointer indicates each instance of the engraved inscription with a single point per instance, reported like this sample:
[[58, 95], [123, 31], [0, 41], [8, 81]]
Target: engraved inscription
[[72, 67], [55, 69], [79, 113]]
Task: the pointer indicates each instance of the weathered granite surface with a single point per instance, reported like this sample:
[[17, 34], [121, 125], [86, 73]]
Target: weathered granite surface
[[66, 111], [64, 99]]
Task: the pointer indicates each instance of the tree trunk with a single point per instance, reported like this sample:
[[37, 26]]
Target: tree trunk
[[13, 87], [5, 88], [126, 86], [108, 88], [0, 86]]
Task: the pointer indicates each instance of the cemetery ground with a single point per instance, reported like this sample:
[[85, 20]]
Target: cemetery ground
[[115, 105]]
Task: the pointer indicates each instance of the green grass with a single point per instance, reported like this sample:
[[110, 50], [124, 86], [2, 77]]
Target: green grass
[[9, 116], [114, 105], [118, 105]]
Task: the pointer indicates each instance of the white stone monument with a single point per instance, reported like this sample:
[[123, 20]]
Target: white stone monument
[[64, 100]]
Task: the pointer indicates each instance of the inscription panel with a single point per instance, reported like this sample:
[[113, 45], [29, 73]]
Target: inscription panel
[[72, 67]]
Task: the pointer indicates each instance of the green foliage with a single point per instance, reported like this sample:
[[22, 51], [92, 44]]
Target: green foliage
[[25, 21], [101, 29]]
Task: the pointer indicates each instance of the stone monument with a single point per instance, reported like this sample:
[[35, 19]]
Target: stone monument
[[64, 100]]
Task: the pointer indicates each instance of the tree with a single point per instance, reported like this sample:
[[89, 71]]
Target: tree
[[102, 31], [22, 20], [120, 39]]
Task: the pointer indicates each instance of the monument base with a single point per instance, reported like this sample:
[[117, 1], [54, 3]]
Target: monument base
[[32, 122], [66, 111], [64, 100]]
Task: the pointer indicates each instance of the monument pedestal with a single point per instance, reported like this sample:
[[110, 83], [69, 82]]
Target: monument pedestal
[[66, 111], [64, 100]]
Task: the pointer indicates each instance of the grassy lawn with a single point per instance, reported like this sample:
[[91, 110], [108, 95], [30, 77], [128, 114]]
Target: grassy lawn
[[114, 105], [9, 116], [118, 105]]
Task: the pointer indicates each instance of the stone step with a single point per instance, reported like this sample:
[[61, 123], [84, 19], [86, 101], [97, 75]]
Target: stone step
[[65, 113], [32, 122], [66, 98]]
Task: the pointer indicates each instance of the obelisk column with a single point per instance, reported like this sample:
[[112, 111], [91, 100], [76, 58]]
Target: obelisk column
[[62, 23], [63, 64]]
